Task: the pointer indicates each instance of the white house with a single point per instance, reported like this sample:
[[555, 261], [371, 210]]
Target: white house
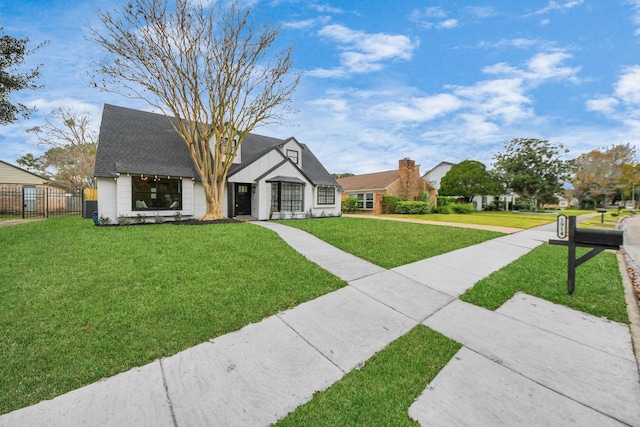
[[435, 174], [143, 169], [434, 177]]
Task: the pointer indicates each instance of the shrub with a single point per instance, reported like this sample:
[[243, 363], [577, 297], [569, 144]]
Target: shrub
[[521, 207], [404, 207], [465, 208], [389, 204], [349, 205], [491, 207], [446, 201], [446, 209], [104, 220]]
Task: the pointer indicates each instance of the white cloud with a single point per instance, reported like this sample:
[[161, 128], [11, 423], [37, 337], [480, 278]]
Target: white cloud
[[545, 66], [501, 100], [447, 24], [623, 105], [541, 67], [428, 12], [635, 5], [324, 8], [627, 89], [333, 106], [606, 105], [519, 43], [433, 17], [364, 52], [558, 6], [481, 11], [419, 109], [307, 23]]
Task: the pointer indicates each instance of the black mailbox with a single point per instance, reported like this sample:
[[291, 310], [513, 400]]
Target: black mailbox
[[609, 238], [597, 240]]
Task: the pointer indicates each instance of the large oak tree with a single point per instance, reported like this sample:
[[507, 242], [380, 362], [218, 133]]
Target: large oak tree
[[208, 65], [533, 168], [468, 179]]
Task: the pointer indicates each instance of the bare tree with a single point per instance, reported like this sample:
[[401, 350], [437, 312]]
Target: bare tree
[[205, 65], [71, 155]]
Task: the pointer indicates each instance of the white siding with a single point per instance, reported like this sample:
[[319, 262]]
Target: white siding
[[115, 200], [293, 146], [107, 206], [326, 210], [259, 168], [435, 175]]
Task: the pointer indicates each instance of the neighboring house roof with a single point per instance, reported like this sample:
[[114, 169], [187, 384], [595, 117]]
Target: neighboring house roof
[[10, 174], [139, 142], [369, 181]]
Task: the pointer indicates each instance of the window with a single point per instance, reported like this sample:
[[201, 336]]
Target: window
[[293, 155], [151, 193], [287, 197], [368, 201], [365, 200], [326, 196]]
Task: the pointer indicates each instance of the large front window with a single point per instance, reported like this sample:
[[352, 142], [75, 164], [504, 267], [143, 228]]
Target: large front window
[[153, 193], [287, 197]]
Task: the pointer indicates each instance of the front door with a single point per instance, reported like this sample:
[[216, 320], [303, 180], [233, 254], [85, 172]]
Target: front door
[[243, 199]]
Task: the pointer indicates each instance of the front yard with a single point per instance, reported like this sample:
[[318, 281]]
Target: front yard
[[81, 302]]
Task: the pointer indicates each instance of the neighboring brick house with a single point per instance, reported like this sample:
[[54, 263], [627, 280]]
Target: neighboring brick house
[[370, 188]]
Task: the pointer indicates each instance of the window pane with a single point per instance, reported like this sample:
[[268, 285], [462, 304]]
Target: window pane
[[369, 204], [156, 193], [293, 155], [275, 207], [326, 196], [291, 197]]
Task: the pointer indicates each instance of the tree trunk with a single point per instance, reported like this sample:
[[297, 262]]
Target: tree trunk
[[213, 198]]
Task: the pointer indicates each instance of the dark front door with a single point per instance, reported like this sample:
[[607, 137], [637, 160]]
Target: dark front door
[[243, 199]]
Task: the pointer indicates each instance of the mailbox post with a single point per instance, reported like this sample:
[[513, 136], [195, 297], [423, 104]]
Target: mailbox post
[[598, 240]]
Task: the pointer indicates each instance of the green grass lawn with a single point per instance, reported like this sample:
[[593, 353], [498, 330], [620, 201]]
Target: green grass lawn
[[380, 393], [391, 243], [543, 273], [500, 218], [80, 303]]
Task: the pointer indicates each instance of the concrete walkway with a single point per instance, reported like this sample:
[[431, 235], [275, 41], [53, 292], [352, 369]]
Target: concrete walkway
[[529, 363]]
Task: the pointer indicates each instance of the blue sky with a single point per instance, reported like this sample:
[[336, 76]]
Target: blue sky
[[383, 80]]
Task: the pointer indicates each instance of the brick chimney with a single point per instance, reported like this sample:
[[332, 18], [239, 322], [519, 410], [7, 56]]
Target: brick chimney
[[409, 179]]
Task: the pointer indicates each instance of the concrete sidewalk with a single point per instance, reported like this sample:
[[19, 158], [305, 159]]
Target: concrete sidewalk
[[529, 363]]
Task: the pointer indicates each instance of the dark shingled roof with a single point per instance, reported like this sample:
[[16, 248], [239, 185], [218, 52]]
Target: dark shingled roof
[[139, 142]]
